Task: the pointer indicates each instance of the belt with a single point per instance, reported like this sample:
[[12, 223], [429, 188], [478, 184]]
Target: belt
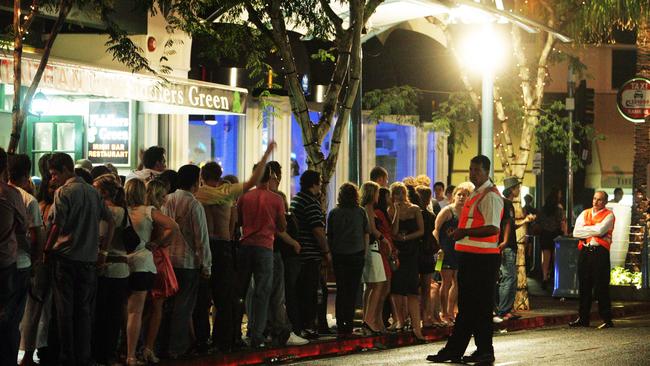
[[590, 248]]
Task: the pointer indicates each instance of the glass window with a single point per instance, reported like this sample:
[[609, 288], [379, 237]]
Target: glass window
[[395, 149], [43, 136], [215, 139], [65, 137]]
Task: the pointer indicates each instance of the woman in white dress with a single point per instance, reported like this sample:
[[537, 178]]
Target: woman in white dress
[[374, 275], [141, 263]]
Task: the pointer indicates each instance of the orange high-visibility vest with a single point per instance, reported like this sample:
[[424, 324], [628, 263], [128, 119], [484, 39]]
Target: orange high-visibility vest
[[471, 218], [590, 220]]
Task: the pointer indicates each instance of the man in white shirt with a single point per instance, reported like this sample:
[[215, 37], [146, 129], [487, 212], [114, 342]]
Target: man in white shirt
[[190, 256], [594, 226], [154, 162]]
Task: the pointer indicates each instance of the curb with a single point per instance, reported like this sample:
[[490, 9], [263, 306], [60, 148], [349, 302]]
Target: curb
[[333, 348]]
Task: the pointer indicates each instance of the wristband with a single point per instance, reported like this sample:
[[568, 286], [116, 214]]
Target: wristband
[[103, 252]]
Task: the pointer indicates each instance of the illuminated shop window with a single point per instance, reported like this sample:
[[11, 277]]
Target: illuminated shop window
[[395, 150], [215, 138]]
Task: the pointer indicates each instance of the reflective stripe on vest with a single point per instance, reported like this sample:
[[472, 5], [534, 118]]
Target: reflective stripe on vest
[[471, 218], [590, 220]]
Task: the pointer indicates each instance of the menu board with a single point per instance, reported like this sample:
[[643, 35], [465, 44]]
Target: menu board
[[109, 132]]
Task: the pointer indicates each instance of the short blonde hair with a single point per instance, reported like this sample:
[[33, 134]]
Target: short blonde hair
[[368, 191], [465, 186], [423, 180], [410, 181], [135, 192], [399, 187]]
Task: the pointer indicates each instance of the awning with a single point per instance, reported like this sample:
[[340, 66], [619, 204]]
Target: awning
[[82, 79]]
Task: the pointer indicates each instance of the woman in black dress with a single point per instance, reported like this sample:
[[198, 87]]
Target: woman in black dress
[[553, 223], [408, 228]]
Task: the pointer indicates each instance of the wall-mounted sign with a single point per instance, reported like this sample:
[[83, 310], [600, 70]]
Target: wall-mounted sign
[[109, 133], [124, 85], [633, 99]]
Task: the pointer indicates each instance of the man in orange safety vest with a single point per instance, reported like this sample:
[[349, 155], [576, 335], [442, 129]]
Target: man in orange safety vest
[[594, 227], [477, 240]]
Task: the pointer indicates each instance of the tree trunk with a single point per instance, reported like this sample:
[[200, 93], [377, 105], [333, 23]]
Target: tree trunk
[[19, 112], [641, 133]]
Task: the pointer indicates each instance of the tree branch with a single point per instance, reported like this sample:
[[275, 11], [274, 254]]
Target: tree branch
[[254, 17], [336, 83], [369, 9], [503, 119], [334, 19]]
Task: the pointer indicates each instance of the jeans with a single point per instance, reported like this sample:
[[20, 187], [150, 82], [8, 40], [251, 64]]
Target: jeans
[[508, 281], [347, 269], [292, 267], [593, 274], [256, 262], [477, 277], [308, 283], [8, 305], [74, 286], [278, 321], [223, 294], [109, 317], [182, 306]]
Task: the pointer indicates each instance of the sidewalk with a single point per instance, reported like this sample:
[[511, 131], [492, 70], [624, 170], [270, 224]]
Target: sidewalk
[[547, 312]]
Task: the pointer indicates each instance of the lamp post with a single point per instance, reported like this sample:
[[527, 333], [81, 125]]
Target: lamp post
[[482, 52]]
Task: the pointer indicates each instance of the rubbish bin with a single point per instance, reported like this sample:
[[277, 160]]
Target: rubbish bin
[[566, 267]]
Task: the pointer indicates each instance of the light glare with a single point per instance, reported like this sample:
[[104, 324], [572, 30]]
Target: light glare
[[483, 51]]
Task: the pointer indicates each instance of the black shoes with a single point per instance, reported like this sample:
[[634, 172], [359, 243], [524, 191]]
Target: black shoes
[[606, 324], [444, 356], [480, 358], [579, 323]]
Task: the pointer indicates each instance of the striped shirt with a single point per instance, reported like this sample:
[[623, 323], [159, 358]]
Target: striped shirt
[[307, 210]]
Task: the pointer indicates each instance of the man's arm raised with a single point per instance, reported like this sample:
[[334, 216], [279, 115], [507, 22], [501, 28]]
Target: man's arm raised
[[259, 168]]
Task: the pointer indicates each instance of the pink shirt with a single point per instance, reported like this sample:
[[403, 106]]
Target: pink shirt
[[259, 211]]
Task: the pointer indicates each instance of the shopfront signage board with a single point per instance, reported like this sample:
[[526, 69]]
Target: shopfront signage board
[[123, 85], [109, 132], [633, 99]]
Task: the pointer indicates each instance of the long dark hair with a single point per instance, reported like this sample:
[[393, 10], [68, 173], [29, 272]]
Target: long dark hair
[[44, 194], [382, 202], [551, 202]]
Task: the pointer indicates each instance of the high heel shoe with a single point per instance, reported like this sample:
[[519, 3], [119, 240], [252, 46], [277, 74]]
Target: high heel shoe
[[149, 356], [395, 328]]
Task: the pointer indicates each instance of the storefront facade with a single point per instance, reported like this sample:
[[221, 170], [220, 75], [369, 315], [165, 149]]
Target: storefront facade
[[107, 116]]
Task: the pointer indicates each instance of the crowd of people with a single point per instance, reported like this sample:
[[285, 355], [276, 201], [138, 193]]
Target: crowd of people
[[98, 267]]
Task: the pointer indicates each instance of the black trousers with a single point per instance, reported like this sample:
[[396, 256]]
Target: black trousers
[[477, 278], [201, 313], [222, 284], [292, 267], [109, 317], [347, 269], [593, 275], [74, 286], [8, 305], [308, 283]]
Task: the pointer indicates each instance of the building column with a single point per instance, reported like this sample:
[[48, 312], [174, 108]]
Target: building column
[[368, 148], [178, 138], [421, 151]]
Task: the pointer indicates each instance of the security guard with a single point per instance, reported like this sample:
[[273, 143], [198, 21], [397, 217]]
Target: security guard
[[594, 226], [477, 239]]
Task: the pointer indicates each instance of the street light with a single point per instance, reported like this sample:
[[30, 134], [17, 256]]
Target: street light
[[484, 51]]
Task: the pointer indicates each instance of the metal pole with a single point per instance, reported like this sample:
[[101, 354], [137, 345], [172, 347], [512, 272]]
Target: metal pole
[[487, 122], [570, 106]]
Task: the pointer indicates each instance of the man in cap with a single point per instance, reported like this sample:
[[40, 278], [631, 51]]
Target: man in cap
[[508, 248]]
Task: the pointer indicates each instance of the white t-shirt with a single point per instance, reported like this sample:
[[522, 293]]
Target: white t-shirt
[[34, 219]]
